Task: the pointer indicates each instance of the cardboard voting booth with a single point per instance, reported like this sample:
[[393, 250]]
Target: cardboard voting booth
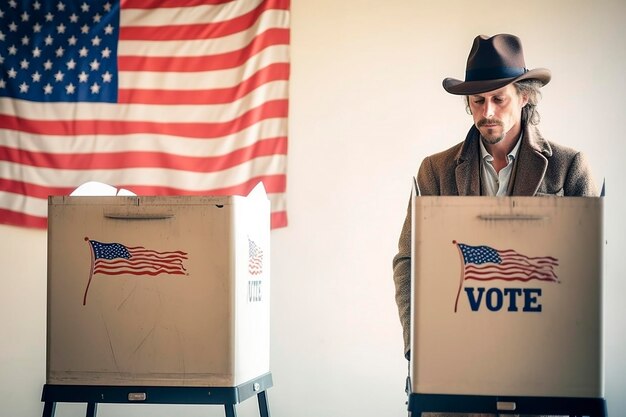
[[507, 296], [158, 291]]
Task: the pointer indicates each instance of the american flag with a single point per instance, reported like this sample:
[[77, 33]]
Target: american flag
[[160, 97], [118, 259], [485, 263], [255, 258]]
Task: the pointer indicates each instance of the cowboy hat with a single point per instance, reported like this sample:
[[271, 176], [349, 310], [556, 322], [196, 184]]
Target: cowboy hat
[[493, 63]]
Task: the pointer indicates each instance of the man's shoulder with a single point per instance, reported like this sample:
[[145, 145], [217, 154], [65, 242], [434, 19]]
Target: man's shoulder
[[447, 155], [457, 153], [548, 147], [559, 149]]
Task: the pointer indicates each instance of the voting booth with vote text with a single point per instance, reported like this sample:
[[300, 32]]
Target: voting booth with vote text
[[507, 305]]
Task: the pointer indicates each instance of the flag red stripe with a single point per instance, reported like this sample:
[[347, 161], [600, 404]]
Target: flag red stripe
[[145, 159], [15, 218], [200, 30], [511, 270], [511, 266], [138, 251], [268, 110], [509, 274], [529, 260], [273, 184], [32, 190], [509, 278], [135, 272], [143, 263], [278, 219], [273, 72], [221, 61], [486, 269]]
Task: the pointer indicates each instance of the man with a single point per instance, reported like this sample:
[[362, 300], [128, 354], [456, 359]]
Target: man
[[503, 154]]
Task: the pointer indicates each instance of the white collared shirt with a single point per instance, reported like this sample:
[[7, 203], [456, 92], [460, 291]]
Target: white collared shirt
[[496, 183]]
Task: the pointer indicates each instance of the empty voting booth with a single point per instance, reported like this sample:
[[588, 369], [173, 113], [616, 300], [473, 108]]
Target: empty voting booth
[[507, 305], [158, 300]]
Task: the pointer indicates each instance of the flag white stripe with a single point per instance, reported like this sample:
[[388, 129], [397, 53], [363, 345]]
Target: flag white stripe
[[160, 177], [22, 203], [277, 201], [85, 144], [172, 16]]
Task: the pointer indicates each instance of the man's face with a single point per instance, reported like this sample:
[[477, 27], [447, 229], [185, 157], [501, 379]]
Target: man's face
[[497, 113]]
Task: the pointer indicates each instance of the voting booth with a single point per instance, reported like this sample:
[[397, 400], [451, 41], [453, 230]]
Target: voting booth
[[155, 299], [507, 305]]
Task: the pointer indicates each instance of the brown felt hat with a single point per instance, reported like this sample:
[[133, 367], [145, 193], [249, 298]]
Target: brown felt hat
[[493, 63]]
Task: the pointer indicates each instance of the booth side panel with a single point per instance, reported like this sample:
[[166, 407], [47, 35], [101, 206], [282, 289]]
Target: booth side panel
[[252, 298]]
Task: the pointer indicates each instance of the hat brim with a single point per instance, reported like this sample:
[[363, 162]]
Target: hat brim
[[458, 87]]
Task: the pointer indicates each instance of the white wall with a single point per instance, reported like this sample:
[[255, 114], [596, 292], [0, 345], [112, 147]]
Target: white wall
[[366, 107]]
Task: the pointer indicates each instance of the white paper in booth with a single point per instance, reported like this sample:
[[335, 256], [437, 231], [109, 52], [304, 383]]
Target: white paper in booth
[[258, 192], [96, 188]]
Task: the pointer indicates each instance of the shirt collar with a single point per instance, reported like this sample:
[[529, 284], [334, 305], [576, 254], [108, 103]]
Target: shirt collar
[[486, 156]]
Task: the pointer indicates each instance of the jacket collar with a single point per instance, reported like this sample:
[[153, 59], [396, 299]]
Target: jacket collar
[[532, 158]]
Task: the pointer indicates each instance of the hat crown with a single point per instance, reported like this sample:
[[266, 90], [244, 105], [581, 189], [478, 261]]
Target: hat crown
[[499, 56], [493, 63]]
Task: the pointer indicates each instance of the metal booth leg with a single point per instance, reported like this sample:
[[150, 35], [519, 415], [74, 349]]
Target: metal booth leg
[[92, 409], [264, 409], [230, 410], [49, 408]]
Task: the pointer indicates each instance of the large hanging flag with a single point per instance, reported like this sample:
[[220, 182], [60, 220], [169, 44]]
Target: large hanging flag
[[160, 97]]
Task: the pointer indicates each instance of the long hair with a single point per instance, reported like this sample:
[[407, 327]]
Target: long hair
[[530, 88]]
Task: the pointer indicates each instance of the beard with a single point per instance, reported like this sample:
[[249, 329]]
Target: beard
[[490, 136]]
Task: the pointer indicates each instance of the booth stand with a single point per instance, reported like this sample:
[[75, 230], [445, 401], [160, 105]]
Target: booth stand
[[92, 395], [158, 300], [536, 406], [506, 306]]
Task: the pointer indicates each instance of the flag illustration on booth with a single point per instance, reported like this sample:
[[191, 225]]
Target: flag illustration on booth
[[171, 97], [119, 259], [255, 258], [484, 263]]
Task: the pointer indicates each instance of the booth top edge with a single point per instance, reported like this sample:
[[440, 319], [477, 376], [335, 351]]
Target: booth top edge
[[186, 200]]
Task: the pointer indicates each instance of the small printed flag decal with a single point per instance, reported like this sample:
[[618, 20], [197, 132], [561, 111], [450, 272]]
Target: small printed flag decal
[[255, 258], [118, 259]]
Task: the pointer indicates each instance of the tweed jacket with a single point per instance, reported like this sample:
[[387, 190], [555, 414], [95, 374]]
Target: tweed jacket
[[542, 168]]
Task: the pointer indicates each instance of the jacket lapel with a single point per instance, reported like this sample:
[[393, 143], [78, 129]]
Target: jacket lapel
[[467, 170], [531, 163]]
